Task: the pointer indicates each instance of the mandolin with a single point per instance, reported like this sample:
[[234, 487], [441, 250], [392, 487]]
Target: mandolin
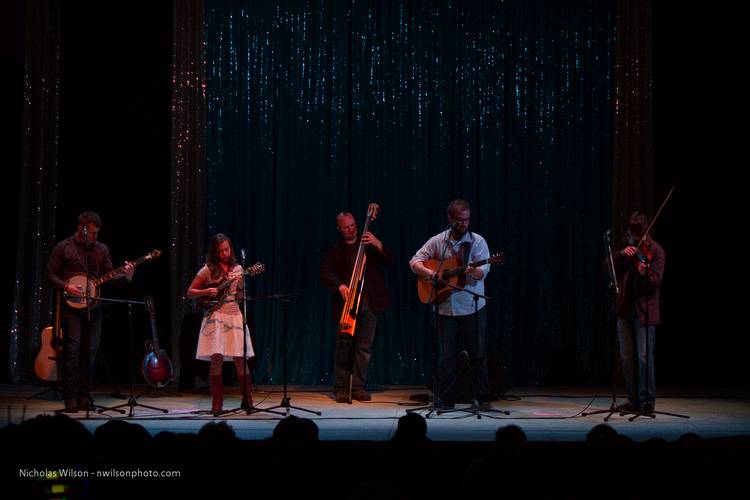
[[156, 367], [452, 274], [210, 304]]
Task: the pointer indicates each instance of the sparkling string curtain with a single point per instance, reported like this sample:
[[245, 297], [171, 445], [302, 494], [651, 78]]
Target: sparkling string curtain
[[316, 107], [188, 180], [32, 301]]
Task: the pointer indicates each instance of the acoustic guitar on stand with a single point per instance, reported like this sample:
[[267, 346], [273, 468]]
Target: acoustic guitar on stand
[[45, 366]]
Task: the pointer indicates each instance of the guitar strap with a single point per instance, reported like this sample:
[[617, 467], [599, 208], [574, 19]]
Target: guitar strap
[[466, 253]]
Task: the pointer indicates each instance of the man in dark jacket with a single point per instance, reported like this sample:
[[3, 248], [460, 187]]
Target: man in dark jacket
[[354, 352], [80, 254], [639, 262]]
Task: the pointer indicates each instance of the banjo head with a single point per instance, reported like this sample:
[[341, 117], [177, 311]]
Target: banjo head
[[85, 283]]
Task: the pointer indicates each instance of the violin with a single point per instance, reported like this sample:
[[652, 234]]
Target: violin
[[643, 253]]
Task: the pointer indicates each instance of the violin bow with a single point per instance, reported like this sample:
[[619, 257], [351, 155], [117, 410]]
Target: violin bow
[[658, 212]]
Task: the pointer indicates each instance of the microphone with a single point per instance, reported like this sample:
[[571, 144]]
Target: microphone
[[452, 227], [242, 253], [447, 230], [85, 232]]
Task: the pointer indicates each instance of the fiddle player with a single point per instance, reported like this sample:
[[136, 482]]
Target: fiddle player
[[335, 273], [639, 262]]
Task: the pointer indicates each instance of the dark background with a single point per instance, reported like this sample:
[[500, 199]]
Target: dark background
[[115, 125]]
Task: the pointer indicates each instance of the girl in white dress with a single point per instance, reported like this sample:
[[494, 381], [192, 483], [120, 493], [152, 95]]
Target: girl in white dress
[[222, 327]]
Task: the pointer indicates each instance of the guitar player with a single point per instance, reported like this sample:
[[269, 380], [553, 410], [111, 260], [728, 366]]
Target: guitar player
[[456, 332], [80, 253]]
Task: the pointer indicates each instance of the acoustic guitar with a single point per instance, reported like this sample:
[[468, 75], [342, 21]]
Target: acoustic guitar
[[452, 273], [45, 366]]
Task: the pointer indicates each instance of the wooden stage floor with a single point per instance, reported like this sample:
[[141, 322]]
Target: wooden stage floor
[[545, 414]]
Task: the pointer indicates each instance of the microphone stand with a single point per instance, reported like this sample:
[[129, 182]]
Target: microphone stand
[[474, 408], [613, 286], [285, 299], [245, 405], [649, 361], [85, 346], [435, 318], [86, 359], [132, 399]]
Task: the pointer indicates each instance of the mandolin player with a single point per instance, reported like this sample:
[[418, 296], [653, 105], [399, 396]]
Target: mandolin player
[[223, 328], [80, 254], [456, 330]]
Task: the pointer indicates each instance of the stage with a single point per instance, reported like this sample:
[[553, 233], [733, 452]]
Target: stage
[[545, 414]]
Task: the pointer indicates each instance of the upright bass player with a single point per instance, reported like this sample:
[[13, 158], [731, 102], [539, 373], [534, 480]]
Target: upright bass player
[[352, 272]]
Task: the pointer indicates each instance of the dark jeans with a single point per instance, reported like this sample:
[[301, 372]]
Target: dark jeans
[[355, 351], [81, 335], [456, 335], [632, 336]]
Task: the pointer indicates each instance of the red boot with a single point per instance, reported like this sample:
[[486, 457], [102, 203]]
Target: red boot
[[246, 384], [217, 391]]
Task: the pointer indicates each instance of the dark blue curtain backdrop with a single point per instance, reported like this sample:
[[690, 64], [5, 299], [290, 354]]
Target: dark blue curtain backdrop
[[316, 107]]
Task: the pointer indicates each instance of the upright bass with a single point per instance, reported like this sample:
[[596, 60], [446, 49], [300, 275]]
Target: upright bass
[[348, 320]]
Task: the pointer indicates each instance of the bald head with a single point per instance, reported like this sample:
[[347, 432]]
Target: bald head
[[347, 227]]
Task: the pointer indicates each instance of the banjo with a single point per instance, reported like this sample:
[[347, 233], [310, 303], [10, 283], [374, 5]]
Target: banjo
[[90, 285]]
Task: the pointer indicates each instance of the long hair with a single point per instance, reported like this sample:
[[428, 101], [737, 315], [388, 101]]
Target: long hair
[[212, 256]]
